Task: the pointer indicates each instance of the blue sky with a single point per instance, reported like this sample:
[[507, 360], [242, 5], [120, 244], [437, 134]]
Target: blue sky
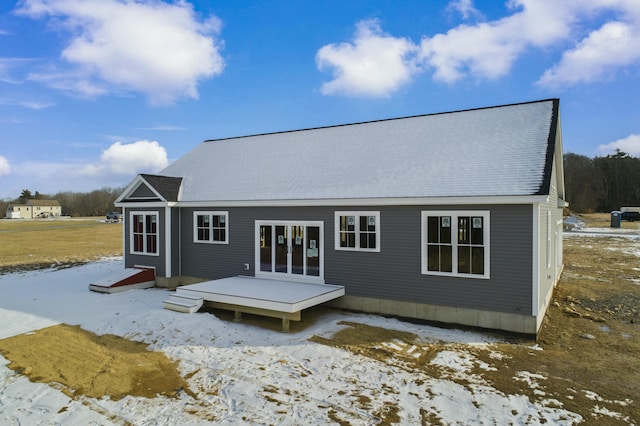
[[93, 92]]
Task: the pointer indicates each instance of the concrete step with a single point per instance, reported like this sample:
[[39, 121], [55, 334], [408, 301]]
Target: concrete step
[[186, 304]]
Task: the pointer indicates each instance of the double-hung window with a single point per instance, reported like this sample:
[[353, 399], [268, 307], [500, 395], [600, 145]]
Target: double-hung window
[[455, 243], [211, 227], [144, 233], [357, 231]]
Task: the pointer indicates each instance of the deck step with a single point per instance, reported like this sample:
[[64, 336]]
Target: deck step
[[186, 304]]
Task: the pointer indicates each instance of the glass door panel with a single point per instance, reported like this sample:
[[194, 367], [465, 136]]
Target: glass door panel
[[282, 249], [297, 250], [313, 251], [266, 244]]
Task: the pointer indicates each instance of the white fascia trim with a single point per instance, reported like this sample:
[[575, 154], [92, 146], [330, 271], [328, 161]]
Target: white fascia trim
[[129, 189], [535, 260], [357, 202], [155, 204]]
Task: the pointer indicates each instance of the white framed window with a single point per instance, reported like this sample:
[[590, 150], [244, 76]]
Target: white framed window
[[456, 243], [211, 227], [143, 233], [357, 230]]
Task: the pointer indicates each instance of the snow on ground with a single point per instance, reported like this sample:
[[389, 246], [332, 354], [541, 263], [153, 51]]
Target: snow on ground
[[603, 232], [245, 374]]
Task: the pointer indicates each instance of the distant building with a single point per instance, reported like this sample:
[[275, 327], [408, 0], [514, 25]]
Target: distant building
[[34, 209]]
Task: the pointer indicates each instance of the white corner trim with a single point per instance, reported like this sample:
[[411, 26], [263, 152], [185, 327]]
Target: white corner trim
[[167, 243], [535, 260]]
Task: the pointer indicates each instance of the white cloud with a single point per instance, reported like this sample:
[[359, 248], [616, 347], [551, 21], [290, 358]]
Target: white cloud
[[26, 104], [148, 46], [488, 50], [129, 159], [630, 145], [614, 45], [7, 67], [74, 82], [374, 64], [465, 8], [5, 167]]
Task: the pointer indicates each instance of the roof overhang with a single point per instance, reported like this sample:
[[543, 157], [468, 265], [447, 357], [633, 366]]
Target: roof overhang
[[355, 202], [143, 204]]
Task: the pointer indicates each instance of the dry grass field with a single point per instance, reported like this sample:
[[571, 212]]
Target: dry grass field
[[35, 244]]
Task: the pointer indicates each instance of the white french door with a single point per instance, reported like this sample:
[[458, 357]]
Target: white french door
[[290, 250]]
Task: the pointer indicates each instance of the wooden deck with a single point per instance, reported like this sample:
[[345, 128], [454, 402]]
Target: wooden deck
[[273, 298]]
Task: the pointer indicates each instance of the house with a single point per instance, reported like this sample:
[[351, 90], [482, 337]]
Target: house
[[34, 209], [453, 217]]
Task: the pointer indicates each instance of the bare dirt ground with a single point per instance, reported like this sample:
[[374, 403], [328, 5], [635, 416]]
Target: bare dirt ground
[[586, 359], [590, 338], [80, 363]]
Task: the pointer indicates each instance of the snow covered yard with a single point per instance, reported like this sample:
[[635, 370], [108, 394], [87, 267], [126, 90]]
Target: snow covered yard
[[243, 373]]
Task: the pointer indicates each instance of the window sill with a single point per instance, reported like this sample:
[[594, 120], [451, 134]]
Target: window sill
[[456, 275]]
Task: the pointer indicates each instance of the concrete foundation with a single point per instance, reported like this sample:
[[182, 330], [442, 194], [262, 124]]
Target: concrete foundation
[[173, 282], [523, 324]]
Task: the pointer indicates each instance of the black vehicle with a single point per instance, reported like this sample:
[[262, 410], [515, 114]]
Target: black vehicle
[[630, 216], [114, 216]]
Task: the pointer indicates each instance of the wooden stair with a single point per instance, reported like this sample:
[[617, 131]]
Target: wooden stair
[[182, 303]]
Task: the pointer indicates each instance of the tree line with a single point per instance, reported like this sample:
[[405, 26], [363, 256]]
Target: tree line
[[75, 204], [599, 184]]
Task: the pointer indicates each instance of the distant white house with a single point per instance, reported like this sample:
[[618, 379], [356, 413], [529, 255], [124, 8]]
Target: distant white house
[[34, 209]]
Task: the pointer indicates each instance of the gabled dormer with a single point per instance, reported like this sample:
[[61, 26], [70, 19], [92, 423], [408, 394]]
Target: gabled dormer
[[147, 188]]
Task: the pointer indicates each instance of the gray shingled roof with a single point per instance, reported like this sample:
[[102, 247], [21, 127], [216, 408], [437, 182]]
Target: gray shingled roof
[[498, 151], [168, 187]]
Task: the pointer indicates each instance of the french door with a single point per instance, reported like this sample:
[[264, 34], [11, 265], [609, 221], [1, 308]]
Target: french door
[[290, 250]]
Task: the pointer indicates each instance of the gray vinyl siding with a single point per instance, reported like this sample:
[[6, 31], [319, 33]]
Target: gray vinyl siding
[[393, 273], [175, 241], [136, 259], [143, 191]]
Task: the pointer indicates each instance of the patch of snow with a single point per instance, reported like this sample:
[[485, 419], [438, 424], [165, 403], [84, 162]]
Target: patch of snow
[[613, 414], [573, 223], [602, 232], [530, 380]]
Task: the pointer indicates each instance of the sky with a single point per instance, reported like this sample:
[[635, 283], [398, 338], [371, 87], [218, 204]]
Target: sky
[[93, 92]]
